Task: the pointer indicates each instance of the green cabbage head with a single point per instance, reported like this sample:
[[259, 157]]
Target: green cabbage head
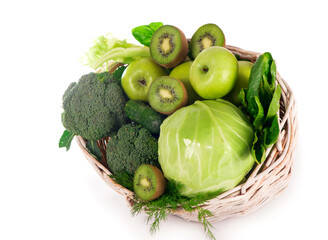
[[206, 147]]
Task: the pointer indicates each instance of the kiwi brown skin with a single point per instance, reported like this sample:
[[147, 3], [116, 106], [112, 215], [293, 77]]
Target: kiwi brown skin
[[182, 54], [161, 183], [182, 104], [184, 100]]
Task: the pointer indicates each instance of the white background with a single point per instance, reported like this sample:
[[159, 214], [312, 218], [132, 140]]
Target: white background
[[47, 193]]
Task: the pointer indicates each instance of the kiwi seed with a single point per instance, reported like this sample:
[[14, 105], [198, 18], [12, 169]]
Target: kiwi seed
[[168, 46], [148, 182], [206, 36], [167, 94]]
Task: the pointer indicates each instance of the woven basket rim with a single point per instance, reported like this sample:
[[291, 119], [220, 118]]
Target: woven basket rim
[[278, 163]]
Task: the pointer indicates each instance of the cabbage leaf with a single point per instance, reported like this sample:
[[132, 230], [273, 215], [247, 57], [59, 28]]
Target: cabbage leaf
[[206, 147]]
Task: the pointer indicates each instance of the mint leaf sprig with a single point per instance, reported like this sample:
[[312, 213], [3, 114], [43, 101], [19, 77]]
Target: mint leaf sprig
[[144, 33]]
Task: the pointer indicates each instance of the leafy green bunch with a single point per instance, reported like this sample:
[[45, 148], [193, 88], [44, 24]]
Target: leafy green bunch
[[108, 48], [261, 101]]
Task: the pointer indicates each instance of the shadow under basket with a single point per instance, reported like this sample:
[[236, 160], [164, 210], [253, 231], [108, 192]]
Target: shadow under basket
[[264, 181]]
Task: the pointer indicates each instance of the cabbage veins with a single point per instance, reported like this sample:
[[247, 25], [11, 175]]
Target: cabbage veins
[[206, 146]]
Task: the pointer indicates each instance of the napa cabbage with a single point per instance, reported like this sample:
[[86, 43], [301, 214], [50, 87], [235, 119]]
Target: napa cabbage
[[206, 147]]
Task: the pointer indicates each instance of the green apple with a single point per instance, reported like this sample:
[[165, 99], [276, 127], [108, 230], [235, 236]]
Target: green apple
[[181, 72], [213, 73], [244, 70], [138, 76]]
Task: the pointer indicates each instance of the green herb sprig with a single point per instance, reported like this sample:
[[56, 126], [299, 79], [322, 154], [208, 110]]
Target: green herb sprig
[[170, 201], [158, 209]]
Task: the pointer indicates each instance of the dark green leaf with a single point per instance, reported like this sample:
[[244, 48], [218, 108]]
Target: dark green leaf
[[265, 93], [144, 33], [259, 119], [274, 105], [94, 149], [123, 178], [258, 150], [273, 71], [66, 140], [118, 73], [271, 133], [260, 68]]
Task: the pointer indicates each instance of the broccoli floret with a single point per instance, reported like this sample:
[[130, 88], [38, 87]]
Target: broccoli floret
[[94, 107], [132, 146]]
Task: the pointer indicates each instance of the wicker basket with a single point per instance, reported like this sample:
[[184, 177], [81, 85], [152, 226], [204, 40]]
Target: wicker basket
[[264, 182]]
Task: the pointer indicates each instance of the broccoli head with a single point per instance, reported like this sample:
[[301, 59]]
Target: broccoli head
[[132, 146], [94, 106]]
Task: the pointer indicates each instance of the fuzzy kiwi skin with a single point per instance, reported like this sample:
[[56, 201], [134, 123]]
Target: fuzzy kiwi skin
[[160, 182], [182, 104], [182, 54]]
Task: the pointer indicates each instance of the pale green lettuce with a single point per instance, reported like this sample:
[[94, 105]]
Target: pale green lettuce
[[206, 147], [108, 48]]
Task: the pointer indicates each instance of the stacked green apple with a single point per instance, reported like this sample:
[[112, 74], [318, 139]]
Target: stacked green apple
[[180, 71]]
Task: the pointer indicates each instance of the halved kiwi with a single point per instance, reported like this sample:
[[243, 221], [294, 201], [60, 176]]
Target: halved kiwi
[[206, 36], [167, 94], [168, 46], [148, 182]]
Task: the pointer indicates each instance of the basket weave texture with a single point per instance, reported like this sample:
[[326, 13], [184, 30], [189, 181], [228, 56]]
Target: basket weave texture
[[264, 182]]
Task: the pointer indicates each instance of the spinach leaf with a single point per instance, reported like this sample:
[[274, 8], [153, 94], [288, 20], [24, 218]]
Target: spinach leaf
[[94, 149], [261, 101], [258, 150], [273, 71], [144, 33], [255, 86], [274, 105], [265, 93], [271, 133], [66, 140], [258, 121]]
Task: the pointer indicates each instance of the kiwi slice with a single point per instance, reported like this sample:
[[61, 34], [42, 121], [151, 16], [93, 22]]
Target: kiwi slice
[[167, 94], [148, 182], [168, 46], [206, 36]]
